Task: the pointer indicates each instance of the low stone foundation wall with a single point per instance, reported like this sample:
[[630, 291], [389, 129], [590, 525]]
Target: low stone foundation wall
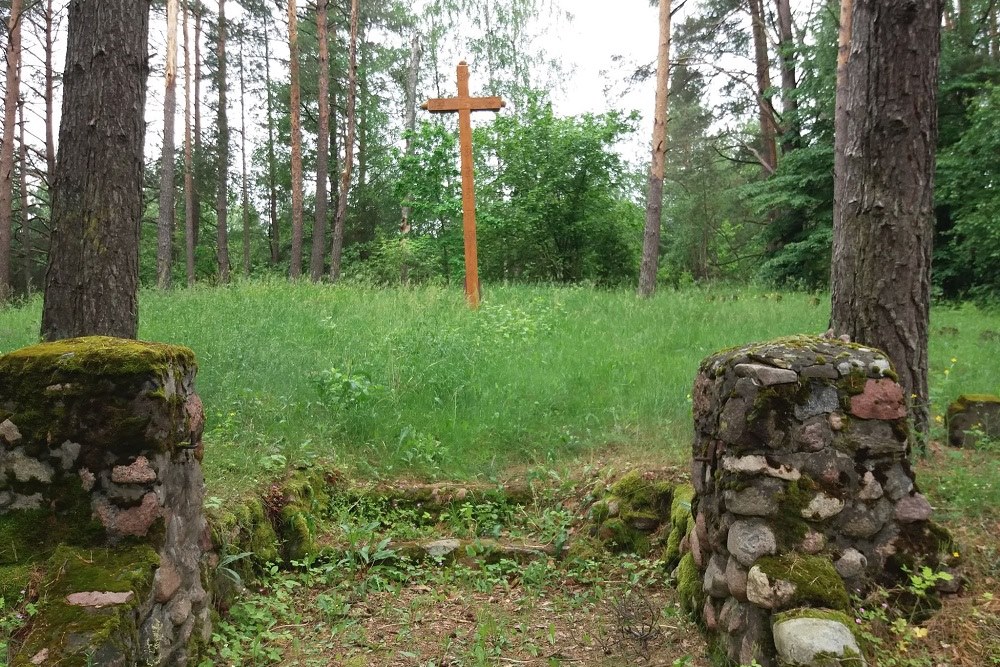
[[101, 501], [803, 494]]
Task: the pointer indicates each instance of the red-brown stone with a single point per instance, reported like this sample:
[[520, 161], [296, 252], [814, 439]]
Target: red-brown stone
[[881, 399]]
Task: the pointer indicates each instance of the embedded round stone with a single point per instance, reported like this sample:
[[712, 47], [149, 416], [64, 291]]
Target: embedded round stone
[[750, 539], [759, 500], [851, 564], [912, 509], [822, 507], [799, 641]]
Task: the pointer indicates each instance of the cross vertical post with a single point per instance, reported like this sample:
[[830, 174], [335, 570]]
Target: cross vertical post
[[465, 105]]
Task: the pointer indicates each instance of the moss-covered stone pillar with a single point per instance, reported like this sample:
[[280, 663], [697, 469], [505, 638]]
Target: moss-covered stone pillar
[[101, 495], [803, 494]]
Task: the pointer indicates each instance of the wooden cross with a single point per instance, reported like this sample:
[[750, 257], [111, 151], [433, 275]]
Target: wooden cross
[[465, 105]]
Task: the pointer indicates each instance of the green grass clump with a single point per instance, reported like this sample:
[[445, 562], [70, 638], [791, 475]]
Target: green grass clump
[[410, 380]]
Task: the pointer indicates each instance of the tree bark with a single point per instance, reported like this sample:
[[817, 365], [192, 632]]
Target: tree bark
[[198, 154], [768, 129], [91, 286], [295, 270], [243, 158], [7, 146], [654, 201], [189, 193], [791, 134], [884, 220], [337, 248], [165, 219], [412, 73], [50, 144], [26, 242], [272, 186], [222, 192], [322, 145]]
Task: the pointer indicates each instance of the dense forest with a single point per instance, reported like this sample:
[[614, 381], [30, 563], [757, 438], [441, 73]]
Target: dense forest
[[288, 140]]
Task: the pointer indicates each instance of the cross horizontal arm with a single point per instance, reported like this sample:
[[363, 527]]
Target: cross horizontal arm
[[451, 104]]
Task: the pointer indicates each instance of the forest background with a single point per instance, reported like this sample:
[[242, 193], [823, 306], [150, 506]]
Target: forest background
[[749, 187]]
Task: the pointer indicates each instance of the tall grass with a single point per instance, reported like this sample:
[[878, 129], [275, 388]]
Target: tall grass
[[410, 380]]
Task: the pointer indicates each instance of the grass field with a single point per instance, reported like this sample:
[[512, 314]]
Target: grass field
[[409, 380]]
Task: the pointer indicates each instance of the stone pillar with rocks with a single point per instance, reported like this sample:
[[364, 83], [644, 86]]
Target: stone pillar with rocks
[[803, 495], [101, 495]]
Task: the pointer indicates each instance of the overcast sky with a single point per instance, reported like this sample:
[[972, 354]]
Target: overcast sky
[[599, 32]]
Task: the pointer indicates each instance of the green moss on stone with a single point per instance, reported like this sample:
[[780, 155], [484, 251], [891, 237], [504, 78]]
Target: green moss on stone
[[72, 633], [788, 525], [94, 357], [689, 586], [962, 403], [643, 494], [94, 380], [13, 580], [619, 537], [854, 382], [816, 581], [31, 535], [245, 528], [681, 521]]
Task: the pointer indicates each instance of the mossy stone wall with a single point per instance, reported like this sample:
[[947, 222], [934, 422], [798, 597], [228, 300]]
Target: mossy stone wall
[[101, 501], [803, 489]]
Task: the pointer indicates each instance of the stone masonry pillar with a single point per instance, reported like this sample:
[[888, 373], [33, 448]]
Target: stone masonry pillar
[[101, 492], [803, 494]]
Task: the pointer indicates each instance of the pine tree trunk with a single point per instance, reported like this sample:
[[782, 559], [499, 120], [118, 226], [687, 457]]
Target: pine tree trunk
[[322, 145], [791, 136], [91, 286], [884, 220], [189, 194], [336, 251], [243, 158], [272, 187], [222, 122], [295, 271], [198, 154], [362, 115], [412, 73], [654, 201], [7, 147], [50, 143], [26, 247], [768, 130], [165, 219]]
